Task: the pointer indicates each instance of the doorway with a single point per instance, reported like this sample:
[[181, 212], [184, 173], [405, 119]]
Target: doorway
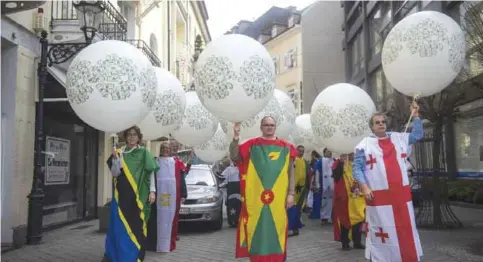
[[71, 147]]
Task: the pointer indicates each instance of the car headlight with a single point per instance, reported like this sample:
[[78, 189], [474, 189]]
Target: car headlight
[[206, 200]]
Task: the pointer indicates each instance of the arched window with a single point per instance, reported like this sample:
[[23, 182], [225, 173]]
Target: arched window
[[153, 44]]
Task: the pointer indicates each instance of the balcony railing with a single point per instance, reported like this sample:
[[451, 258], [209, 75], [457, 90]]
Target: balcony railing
[[113, 24], [146, 50]]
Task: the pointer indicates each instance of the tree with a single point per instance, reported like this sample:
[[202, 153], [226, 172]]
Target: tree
[[198, 47], [440, 110]]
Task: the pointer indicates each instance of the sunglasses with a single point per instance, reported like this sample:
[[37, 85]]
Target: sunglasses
[[383, 122], [268, 125]]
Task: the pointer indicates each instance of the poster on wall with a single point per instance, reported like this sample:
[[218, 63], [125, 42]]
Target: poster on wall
[[57, 161]]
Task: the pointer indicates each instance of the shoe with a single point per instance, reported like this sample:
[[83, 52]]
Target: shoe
[[346, 247], [296, 232], [359, 246]]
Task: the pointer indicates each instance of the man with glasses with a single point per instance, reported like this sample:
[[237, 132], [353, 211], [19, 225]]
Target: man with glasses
[[267, 187], [380, 168]]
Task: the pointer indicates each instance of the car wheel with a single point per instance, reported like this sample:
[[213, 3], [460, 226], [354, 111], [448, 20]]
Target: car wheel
[[218, 224]]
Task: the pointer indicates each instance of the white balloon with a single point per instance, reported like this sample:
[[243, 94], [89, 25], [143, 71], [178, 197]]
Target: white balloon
[[168, 108], [111, 85], [251, 128], [340, 116], [214, 149], [198, 125], [234, 77], [303, 135], [286, 119], [423, 53]]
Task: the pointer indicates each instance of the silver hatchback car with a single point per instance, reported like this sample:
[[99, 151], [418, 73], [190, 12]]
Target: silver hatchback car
[[205, 198]]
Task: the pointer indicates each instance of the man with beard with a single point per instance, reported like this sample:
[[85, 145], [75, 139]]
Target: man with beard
[[174, 147], [171, 190]]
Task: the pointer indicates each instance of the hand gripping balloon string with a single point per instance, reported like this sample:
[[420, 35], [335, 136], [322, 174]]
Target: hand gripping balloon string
[[415, 97]]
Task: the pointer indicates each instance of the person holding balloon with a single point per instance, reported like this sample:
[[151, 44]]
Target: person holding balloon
[[267, 186], [132, 168], [380, 168]]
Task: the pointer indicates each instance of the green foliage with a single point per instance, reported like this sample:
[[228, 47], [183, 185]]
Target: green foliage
[[470, 191]]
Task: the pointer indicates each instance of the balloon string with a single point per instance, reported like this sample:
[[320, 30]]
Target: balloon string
[[415, 97]]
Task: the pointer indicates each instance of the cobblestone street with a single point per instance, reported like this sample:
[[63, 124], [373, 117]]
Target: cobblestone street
[[82, 243]]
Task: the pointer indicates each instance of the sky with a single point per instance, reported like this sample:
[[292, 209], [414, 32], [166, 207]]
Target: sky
[[224, 14]]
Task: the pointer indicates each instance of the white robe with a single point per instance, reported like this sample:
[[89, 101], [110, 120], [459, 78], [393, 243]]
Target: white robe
[[392, 208], [327, 189], [165, 202]]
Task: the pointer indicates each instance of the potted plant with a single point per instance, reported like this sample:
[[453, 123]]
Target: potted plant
[[104, 215]]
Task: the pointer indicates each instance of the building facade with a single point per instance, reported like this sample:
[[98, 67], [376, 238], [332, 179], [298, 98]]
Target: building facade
[[163, 30], [366, 24], [306, 51], [279, 30], [323, 57]]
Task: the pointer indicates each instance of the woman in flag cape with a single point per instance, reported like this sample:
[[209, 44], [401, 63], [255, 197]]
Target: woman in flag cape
[[267, 186], [349, 204], [132, 168]]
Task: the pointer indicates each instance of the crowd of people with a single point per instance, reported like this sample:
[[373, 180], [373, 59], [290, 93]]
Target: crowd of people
[[269, 186]]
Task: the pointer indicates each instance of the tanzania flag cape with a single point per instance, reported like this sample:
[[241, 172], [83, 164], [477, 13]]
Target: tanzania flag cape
[[262, 227], [348, 211], [301, 189], [126, 237]]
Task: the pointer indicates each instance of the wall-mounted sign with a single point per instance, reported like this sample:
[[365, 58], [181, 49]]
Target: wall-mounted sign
[[57, 161]]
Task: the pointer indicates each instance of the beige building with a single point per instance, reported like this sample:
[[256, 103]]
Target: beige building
[[164, 31], [305, 48]]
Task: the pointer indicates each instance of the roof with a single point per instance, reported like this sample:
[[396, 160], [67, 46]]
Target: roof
[[264, 23]]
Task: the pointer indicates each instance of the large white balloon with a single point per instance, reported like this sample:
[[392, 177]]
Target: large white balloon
[[111, 85], [340, 117], [286, 119], [251, 128], [234, 77], [198, 125], [168, 108], [303, 135], [423, 53], [215, 148]]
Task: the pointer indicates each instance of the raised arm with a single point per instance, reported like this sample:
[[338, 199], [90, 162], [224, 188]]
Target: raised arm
[[234, 151], [417, 132], [358, 167]]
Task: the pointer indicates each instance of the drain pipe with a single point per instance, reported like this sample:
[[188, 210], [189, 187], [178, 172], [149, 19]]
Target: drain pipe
[[169, 36]]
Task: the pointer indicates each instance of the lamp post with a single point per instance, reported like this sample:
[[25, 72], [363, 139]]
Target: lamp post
[[89, 13]]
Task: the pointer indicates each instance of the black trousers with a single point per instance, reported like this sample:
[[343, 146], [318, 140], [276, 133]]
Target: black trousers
[[356, 234]]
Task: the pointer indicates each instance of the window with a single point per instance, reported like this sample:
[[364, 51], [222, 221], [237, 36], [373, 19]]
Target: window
[[379, 26], [290, 59], [377, 84], [382, 91], [276, 65], [153, 44], [471, 14], [408, 8], [274, 31], [357, 54], [293, 95]]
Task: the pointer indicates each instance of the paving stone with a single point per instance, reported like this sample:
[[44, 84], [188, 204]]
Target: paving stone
[[197, 244]]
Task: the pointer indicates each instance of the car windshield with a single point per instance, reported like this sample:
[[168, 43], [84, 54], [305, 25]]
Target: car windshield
[[200, 177]]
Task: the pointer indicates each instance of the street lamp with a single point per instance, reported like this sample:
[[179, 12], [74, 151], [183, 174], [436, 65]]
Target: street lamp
[[89, 14]]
